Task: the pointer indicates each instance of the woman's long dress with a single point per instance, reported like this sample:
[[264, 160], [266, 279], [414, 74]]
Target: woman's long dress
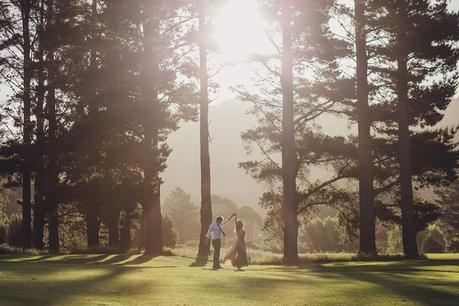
[[238, 253]]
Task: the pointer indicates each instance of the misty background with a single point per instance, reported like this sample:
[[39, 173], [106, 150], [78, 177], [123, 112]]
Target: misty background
[[227, 120]]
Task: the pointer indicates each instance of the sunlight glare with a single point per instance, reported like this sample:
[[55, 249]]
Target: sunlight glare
[[239, 30]]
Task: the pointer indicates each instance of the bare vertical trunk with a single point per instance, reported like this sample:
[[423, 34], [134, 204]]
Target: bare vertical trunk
[[39, 212], [206, 204], [125, 238], [153, 238], [410, 248], [52, 167], [366, 200], [91, 211], [27, 131], [114, 231], [52, 178], [152, 222], [289, 164], [92, 226], [151, 189]]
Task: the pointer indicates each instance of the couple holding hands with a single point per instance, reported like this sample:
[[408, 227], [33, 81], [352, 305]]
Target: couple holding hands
[[238, 253]]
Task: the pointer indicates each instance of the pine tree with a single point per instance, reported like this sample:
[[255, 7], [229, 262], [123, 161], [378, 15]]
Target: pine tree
[[25, 7], [38, 208], [289, 171], [291, 97], [52, 170], [367, 246], [420, 44], [206, 203]]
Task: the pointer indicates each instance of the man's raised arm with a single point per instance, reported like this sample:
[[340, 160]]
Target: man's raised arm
[[224, 222]]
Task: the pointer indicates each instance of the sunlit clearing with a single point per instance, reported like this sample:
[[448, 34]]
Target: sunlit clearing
[[239, 30]]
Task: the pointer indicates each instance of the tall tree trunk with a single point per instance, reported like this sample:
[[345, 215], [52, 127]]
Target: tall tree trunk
[[51, 150], [52, 169], [92, 209], [151, 189], [92, 226], [410, 248], [206, 204], [125, 239], [114, 231], [367, 245], [151, 215], [155, 242], [289, 163], [39, 211], [27, 130]]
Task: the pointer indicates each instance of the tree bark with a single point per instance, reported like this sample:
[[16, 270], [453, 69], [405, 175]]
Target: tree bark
[[206, 204], [367, 246], [114, 231], [92, 211], [125, 239], [151, 188], [155, 240], [289, 164], [39, 211], [92, 226], [27, 129], [52, 167], [406, 186], [52, 178]]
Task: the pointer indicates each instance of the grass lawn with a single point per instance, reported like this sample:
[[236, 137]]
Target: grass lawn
[[139, 280]]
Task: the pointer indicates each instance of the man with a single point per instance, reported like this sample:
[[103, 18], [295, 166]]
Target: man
[[214, 233]]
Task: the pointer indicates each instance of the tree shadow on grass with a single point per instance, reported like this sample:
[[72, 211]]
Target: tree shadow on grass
[[125, 259], [401, 266], [59, 259], [35, 284], [139, 260], [411, 280], [405, 282], [116, 259]]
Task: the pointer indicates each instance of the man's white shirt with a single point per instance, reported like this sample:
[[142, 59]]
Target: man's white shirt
[[214, 231]]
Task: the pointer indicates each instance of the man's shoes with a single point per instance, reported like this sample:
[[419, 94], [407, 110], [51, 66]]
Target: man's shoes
[[217, 268]]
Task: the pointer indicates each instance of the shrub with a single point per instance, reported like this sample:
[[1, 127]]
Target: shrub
[[168, 234], [3, 227], [324, 235], [394, 240], [6, 249], [435, 241]]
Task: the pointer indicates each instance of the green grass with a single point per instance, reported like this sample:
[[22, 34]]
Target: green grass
[[140, 280]]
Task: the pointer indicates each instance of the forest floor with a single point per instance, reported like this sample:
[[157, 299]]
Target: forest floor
[[141, 280]]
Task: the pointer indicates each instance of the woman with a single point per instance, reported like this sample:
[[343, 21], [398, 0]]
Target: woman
[[238, 253]]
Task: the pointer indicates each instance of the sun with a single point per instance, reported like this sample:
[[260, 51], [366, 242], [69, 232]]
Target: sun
[[239, 30]]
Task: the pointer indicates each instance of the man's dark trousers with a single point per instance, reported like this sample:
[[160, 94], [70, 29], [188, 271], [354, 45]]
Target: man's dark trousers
[[216, 243]]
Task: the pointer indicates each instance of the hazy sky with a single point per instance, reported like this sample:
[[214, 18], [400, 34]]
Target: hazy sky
[[227, 121]]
